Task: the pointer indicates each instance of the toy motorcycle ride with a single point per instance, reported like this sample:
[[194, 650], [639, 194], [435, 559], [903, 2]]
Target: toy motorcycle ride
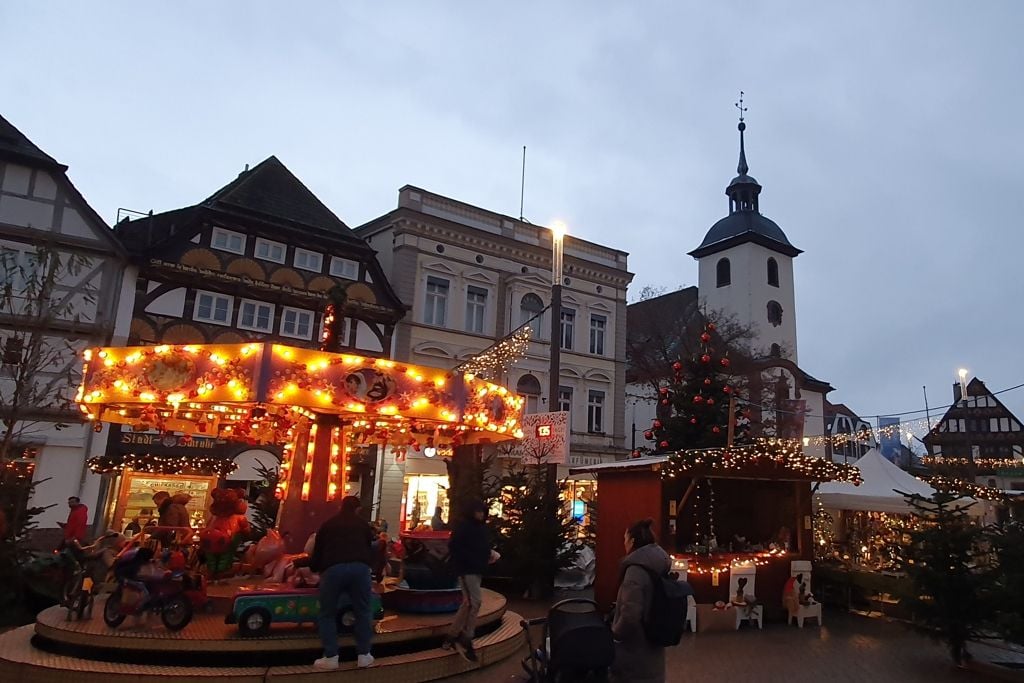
[[89, 567], [144, 587]]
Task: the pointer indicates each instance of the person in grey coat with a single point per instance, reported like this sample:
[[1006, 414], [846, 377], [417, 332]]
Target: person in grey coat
[[636, 659]]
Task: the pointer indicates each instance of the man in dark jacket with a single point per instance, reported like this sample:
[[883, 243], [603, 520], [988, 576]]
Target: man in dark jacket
[[469, 551], [341, 555]]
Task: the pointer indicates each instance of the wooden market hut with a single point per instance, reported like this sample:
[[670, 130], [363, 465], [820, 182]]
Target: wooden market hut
[[757, 491]]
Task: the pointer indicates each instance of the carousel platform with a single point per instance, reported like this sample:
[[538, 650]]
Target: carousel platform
[[405, 645]]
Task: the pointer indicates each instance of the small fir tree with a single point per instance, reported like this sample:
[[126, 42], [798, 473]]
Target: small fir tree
[[265, 505], [1008, 546], [952, 585]]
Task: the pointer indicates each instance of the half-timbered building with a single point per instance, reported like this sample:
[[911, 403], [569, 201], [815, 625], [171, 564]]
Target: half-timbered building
[[62, 273], [258, 260]]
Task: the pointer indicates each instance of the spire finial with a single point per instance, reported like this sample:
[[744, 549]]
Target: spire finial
[[742, 167]]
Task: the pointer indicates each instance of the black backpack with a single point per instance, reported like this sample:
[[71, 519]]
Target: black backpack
[[665, 618]]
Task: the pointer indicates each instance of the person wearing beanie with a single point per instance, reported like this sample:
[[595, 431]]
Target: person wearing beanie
[[469, 552]]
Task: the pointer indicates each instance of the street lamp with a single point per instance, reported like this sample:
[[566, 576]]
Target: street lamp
[[558, 232]]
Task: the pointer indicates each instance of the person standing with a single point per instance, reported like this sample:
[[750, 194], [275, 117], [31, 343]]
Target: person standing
[[341, 556], [636, 659], [469, 551], [133, 527], [78, 521], [437, 521]]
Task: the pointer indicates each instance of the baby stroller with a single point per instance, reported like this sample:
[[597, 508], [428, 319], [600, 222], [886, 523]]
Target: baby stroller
[[576, 644]]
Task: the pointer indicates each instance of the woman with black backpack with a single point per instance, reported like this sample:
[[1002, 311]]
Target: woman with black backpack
[[637, 658]]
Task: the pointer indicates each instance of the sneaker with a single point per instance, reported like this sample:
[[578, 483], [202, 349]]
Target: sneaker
[[364, 661], [465, 647], [326, 663]]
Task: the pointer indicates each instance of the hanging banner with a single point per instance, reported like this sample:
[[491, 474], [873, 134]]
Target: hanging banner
[[545, 438]]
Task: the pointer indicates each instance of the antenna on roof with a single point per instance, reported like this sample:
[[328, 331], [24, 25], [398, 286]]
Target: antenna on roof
[[522, 186]]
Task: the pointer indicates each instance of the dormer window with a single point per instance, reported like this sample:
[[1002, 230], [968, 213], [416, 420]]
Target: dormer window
[[723, 273], [773, 272]]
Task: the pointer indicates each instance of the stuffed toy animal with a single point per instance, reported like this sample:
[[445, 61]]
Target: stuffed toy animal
[[221, 537]]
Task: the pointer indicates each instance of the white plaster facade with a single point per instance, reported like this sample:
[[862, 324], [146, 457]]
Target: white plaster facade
[[39, 203], [470, 275]]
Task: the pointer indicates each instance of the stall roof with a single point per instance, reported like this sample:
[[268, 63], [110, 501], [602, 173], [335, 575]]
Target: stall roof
[[631, 464], [878, 492]]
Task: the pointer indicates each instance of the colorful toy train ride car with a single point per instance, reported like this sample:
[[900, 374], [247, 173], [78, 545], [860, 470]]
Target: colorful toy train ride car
[[255, 609]]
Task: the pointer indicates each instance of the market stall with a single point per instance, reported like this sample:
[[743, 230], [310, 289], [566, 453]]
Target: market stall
[[716, 510]]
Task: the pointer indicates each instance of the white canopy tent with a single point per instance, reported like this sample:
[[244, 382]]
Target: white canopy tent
[[877, 493]]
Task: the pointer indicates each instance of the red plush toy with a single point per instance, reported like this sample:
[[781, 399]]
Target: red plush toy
[[222, 536]]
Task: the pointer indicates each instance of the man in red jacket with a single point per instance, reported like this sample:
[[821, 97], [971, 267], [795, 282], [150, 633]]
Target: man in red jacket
[[78, 520]]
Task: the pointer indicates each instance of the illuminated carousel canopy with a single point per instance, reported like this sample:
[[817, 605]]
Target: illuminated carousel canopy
[[258, 392]]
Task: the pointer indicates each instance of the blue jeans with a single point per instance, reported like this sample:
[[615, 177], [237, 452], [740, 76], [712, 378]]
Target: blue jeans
[[353, 578]]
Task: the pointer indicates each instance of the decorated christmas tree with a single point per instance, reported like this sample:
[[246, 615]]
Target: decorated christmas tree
[[694, 409]]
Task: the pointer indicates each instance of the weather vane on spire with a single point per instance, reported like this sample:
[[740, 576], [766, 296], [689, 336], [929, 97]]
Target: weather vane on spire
[[739, 105]]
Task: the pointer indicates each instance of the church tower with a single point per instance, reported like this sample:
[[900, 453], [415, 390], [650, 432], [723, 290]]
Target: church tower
[[745, 266]]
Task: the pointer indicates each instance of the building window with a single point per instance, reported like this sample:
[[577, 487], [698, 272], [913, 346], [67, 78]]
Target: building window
[[213, 308], [256, 316], [595, 412], [436, 308], [296, 323], [345, 268], [722, 273], [308, 260], [568, 325], [773, 272], [776, 351], [269, 251], [598, 323], [228, 240], [476, 308], [565, 399], [531, 311], [20, 270], [774, 313], [528, 386]]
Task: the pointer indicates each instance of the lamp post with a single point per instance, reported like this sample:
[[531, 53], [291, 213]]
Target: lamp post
[[558, 231]]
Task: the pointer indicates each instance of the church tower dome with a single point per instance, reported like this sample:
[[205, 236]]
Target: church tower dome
[[745, 264]]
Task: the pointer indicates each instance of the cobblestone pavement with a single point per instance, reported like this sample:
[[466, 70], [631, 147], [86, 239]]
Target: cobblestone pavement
[[848, 648]]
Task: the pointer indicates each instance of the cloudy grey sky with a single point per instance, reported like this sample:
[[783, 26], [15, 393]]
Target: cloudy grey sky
[[884, 134]]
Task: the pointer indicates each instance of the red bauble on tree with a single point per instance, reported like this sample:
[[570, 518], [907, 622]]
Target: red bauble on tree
[[649, 435], [724, 362], [698, 399], [707, 382], [706, 358], [663, 391], [727, 389], [716, 429], [705, 337], [663, 444], [677, 366], [693, 420], [656, 424], [711, 327], [711, 401]]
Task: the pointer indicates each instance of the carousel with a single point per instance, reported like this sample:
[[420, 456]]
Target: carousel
[[318, 407]]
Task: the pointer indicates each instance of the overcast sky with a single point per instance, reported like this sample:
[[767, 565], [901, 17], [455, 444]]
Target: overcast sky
[[885, 136]]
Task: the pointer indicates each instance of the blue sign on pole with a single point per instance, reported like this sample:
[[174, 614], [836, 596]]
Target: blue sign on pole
[[889, 444]]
